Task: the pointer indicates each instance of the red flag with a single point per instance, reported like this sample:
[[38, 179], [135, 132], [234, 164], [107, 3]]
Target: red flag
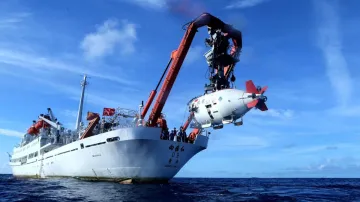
[[108, 111]]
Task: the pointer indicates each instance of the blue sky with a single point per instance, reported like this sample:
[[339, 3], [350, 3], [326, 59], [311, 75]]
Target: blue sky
[[305, 51]]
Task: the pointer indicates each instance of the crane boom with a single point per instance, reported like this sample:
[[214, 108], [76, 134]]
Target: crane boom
[[153, 92], [179, 55], [188, 121]]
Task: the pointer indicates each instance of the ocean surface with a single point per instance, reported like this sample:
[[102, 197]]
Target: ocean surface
[[181, 189]]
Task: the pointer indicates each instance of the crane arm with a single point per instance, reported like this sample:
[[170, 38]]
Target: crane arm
[[195, 131], [179, 55], [193, 134], [188, 121], [153, 92]]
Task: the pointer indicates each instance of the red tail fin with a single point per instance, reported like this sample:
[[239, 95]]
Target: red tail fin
[[250, 87], [252, 103], [263, 89]]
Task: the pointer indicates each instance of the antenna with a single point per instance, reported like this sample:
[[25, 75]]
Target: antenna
[[9, 154], [79, 116]]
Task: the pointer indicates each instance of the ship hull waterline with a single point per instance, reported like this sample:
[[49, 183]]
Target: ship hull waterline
[[136, 155]]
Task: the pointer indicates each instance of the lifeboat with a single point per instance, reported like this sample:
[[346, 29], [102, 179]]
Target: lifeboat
[[41, 124], [35, 129], [32, 130]]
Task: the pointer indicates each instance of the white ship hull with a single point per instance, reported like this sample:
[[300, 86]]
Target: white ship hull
[[137, 154]]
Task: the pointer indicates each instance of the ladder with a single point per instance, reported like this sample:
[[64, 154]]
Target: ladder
[[90, 128]]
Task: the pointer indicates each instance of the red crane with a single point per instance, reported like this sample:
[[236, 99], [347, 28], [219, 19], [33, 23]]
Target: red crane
[[178, 57]]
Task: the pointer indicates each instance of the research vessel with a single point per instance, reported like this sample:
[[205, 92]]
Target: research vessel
[[115, 148], [121, 144]]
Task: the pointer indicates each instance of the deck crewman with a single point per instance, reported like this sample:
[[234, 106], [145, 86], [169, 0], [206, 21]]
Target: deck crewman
[[182, 134]]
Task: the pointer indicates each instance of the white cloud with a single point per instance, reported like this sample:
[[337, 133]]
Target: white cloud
[[185, 8], [237, 138], [103, 100], [12, 20], [36, 62], [315, 149], [279, 113], [272, 117], [153, 4], [13, 133], [245, 3], [335, 165], [306, 150], [73, 92], [108, 37], [329, 39]]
